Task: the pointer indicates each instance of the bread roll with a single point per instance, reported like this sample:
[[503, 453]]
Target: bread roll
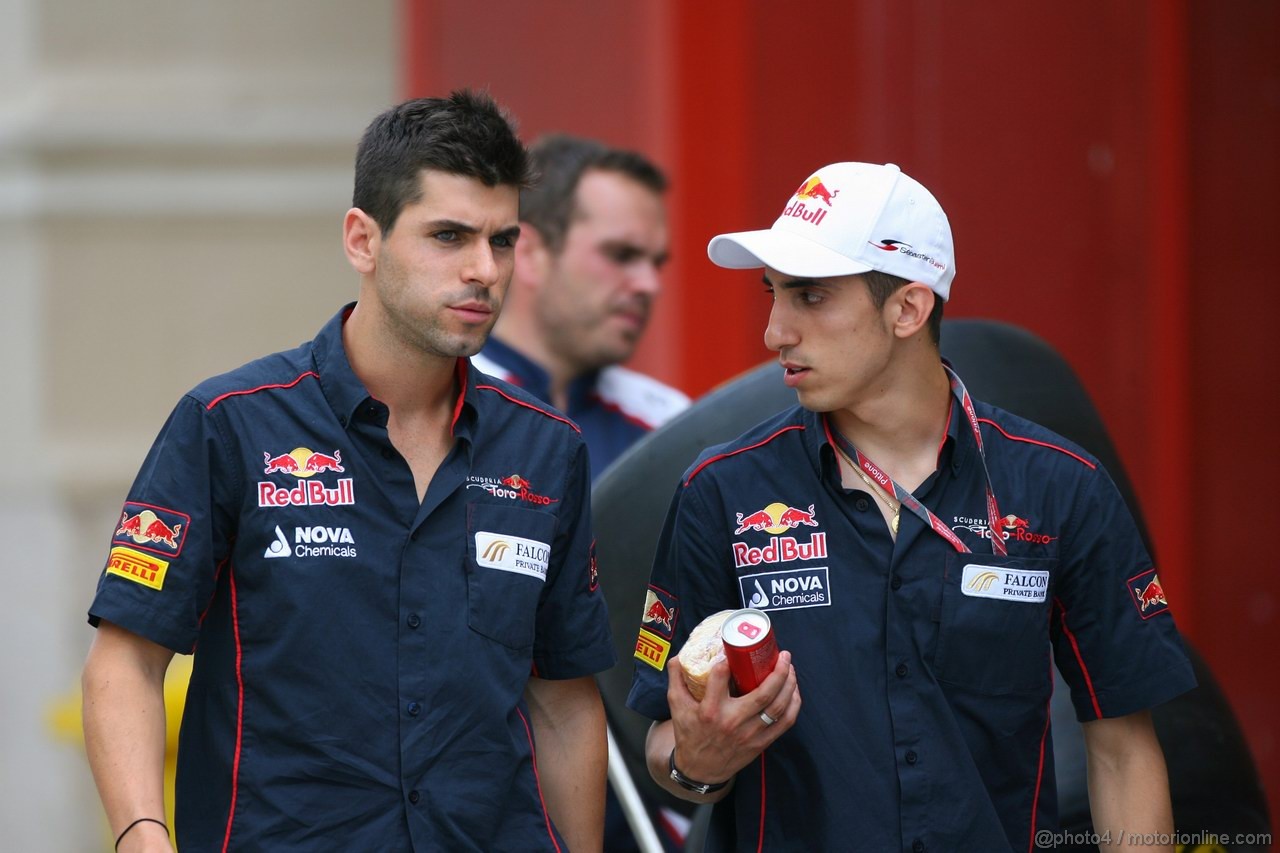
[[701, 652]]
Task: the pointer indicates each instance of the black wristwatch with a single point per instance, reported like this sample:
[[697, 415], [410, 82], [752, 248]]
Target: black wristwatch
[[689, 784]]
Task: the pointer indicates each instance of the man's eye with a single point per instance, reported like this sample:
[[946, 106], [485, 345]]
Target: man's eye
[[446, 236], [624, 255], [503, 241]]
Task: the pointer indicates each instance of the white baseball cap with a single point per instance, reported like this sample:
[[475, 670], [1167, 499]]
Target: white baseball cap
[[850, 218]]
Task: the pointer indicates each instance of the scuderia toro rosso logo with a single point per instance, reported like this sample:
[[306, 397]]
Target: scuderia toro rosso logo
[[512, 487], [1011, 528]]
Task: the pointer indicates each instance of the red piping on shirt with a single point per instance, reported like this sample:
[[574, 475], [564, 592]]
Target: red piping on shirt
[[1074, 456], [1093, 697], [216, 573], [1035, 800], [216, 400], [462, 393], [533, 751], [235, 767], [718, 457], [511, 399], [760, 845]]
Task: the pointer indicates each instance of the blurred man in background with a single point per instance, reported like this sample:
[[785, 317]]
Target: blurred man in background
[[593, 239]]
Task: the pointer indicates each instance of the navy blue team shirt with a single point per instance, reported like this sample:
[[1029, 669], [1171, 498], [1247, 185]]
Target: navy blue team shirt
[[614, 406], [925, 673], [360, 657]]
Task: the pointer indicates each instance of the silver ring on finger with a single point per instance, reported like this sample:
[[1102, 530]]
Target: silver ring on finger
[[766, 719]]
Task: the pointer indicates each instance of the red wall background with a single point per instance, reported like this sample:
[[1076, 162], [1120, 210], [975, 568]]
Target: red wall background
[[1111, 169]]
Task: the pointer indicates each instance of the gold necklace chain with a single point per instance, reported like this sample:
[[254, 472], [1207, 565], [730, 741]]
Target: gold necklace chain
[[895, 506]]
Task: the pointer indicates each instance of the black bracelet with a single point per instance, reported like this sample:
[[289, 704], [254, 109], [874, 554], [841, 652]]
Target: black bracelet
[[691, 784], [120, 837]]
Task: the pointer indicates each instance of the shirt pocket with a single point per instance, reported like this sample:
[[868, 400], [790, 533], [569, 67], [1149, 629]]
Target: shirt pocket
[[993, 631], [508, 556]]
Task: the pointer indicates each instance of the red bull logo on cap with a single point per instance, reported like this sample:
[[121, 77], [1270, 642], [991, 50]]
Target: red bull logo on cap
[[775, 518], [1148, 594], [659, 611], [811, 201], [816, 190], [152, 528]]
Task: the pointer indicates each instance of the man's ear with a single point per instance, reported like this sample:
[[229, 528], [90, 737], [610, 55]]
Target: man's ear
[[361, 238], [533, 259], [911, 306]]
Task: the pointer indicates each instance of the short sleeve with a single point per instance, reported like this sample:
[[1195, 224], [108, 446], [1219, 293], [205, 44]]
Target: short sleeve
[[691, 579], [172, 534], [572, 636], [1114, 636]]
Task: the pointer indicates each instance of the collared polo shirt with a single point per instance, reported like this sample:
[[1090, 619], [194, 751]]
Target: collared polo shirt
[[360, 655], [925, 673], [614, 406]]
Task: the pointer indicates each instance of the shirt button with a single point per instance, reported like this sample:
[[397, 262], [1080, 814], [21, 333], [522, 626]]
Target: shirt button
[[901, 670], [896, 583], [414, 535], [414, 709], [911, 759], [862, 504], [917, 846], [414, 796], [413, 620]]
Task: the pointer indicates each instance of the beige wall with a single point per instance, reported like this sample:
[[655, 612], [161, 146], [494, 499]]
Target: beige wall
[[173, 175]]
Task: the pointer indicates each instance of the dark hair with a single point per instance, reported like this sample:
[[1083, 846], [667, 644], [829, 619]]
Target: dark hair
[[561, 161], [465, 134], [881, 286]]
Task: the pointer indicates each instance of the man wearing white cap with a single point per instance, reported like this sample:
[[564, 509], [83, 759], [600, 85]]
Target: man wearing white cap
[[924, 556]]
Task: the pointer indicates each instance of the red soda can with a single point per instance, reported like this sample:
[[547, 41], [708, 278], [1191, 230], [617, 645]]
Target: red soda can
[[750, 646]]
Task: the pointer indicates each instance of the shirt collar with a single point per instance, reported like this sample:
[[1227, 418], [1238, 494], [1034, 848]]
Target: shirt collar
[[342, 388], [531, 377], [953, 451], [346, 393]]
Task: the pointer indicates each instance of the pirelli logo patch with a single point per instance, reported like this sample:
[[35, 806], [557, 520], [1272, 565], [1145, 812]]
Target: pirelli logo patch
[[137, 567], [652, 649]]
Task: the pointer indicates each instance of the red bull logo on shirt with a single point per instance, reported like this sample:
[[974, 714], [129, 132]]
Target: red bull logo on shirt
[[775, 518], [152, 528], [304, 463], [659, 611], [1148, 594]]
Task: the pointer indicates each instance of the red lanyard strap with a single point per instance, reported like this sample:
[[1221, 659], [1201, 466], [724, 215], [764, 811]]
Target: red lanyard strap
[[908, 500]]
